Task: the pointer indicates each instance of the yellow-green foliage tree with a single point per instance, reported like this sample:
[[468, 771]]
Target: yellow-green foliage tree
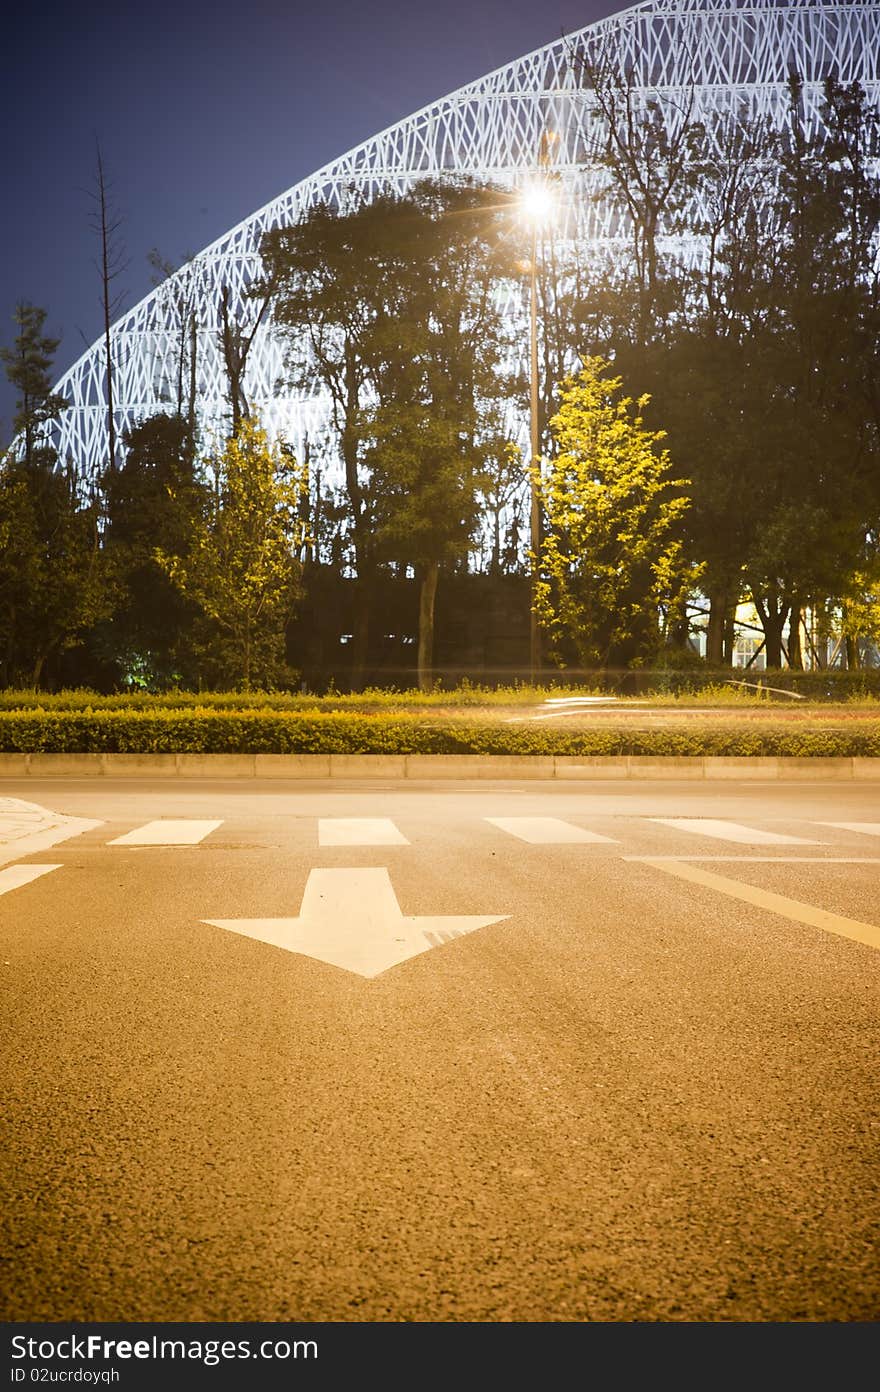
[[612, 574], [860, 617], [242, 567]]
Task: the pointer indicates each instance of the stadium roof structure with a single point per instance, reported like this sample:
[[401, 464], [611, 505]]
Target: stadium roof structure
[[728, 56]]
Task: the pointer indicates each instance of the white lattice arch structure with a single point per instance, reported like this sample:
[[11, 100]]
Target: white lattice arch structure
[[730, 53]]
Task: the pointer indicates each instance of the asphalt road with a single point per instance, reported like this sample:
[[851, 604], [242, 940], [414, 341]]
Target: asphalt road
[[623, 1096]]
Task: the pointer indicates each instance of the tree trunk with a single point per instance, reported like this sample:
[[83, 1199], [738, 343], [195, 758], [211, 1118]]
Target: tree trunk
[[234, 361], [360, 645], [773, 624], [181, 355], [715, 629], [795, 652], [852, 653], [361, 536], [191, 404], [678, 632], [729, 643], [27, 411], [773, 610], [427, 597], [247, 662], [236, 346], [106, 230]]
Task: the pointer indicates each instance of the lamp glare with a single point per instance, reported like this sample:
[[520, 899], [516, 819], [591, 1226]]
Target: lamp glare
[[538, 203]]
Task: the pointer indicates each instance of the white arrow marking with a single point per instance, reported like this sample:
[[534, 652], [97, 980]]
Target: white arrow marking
[[351, 919]]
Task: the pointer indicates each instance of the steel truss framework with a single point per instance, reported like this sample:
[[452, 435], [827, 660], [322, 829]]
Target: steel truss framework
[[731, 55]]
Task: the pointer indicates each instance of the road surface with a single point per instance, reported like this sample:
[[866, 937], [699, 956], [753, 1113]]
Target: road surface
[[453, 1052]]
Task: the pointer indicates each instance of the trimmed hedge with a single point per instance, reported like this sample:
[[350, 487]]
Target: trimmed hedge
[[279, 732]]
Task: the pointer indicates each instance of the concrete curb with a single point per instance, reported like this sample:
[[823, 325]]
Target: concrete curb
[[431, 766]]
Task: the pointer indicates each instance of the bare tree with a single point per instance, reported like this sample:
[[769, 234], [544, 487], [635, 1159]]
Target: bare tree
[[236, 342], [107, 223], [181, 297], [651, 152]]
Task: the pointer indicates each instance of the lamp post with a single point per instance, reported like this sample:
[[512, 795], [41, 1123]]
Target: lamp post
[[534, 500], [538, 206]]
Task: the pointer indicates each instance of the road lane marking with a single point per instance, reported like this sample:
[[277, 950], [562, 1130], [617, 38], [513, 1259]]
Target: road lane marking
[[792, 909], [188, 832], [26, 828], [764, 860], [21, 818], [546, 831], [14, 876], [866, 828], [359, 831], [351, 919], [731, 831]]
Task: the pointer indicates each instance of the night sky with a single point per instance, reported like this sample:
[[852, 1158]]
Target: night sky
[[204, 112]]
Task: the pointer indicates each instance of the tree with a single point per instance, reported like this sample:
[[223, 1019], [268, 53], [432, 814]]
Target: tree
[[182, 305], [150, 502], [652, 155], [390, 308], [54, 586], [764, 381], [612, 565], [236, 341], [703, 376], [18, 567], [860, 618], [708, 388], [820, 495], [107, 223], [660, 321], [323, 271], [241, 565], [54, 583], [437, 371], [28, 365], [502, 486]]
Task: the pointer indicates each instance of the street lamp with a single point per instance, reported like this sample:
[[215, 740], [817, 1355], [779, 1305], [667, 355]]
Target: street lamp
[[538, 205]]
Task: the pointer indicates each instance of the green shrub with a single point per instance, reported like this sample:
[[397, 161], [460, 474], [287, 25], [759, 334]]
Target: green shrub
[[207, 731]]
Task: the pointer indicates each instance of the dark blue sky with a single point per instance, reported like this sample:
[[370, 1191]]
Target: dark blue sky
[[204, 112]]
